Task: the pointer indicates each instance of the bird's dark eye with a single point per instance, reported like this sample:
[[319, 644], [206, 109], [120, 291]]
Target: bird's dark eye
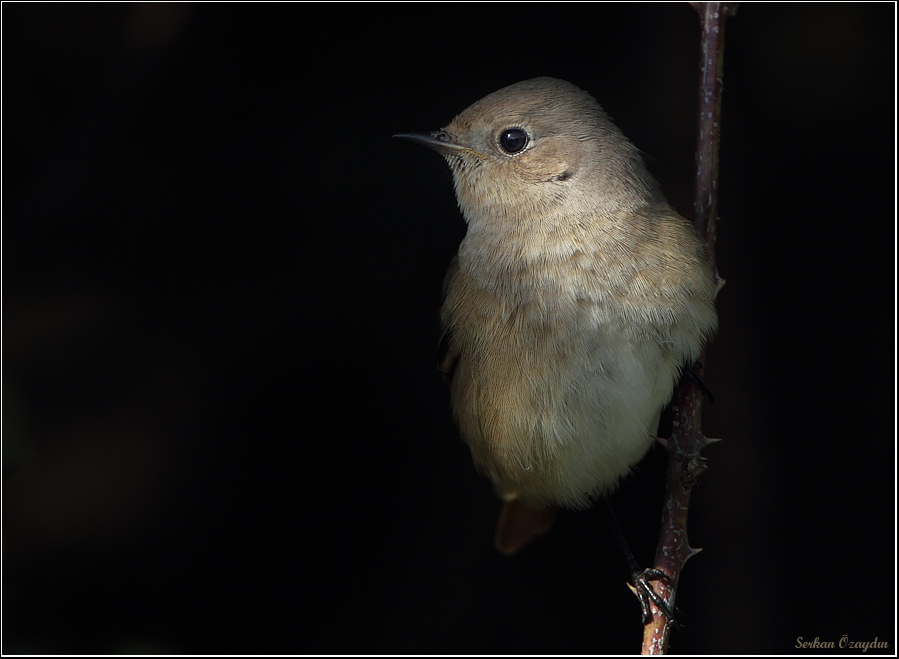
[[513, 140]]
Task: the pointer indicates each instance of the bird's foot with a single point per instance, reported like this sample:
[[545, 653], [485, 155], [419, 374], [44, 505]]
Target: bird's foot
[[646, 593]]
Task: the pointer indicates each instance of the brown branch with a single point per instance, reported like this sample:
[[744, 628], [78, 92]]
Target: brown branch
[[687, 441]]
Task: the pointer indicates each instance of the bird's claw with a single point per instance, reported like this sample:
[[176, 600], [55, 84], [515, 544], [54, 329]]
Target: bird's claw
[[646, 593]]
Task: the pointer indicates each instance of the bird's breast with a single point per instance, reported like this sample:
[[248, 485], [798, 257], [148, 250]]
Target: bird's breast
[[553, 391]]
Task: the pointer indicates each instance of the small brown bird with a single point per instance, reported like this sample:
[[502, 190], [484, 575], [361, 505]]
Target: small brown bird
[[577, 297]]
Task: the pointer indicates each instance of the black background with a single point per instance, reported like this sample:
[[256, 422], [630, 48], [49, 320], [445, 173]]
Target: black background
[[223, 428]]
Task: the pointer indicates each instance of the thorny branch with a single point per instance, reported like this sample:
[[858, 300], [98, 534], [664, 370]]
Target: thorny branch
[[687, 441]]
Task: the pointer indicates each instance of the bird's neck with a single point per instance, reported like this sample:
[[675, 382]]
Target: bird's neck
[[510, 256]]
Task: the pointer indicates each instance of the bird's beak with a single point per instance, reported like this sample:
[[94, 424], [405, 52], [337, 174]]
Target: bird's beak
[[437, 140]]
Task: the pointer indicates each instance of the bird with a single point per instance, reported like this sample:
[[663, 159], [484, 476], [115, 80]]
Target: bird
[[576, 300]]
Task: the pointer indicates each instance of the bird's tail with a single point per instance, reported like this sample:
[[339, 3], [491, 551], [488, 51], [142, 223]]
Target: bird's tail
[[518, 525]]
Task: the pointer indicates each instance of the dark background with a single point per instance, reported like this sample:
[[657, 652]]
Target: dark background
[[223, 428]]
